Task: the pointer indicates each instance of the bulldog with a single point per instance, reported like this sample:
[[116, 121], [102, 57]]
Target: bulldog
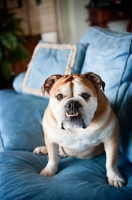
[[79, 122]]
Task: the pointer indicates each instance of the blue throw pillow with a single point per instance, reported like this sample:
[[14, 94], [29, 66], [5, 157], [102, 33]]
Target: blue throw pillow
[[49, 59], [109, 55]]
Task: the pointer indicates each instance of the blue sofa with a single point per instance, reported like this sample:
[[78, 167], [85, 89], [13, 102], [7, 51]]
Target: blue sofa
[[109, 55]]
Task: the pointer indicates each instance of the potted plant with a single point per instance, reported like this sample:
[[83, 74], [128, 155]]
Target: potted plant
[[11, 44]]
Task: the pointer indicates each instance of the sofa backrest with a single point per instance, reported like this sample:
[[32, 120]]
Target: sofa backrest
[[109, 54]]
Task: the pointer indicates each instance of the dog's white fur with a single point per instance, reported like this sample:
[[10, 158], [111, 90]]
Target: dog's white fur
[[101, 131]]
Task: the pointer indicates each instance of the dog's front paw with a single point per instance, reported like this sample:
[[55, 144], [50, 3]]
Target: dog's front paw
[[40, 150], [115, 179], [49, 171]]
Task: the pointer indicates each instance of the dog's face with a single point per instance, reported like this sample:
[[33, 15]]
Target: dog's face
[[73, 98]]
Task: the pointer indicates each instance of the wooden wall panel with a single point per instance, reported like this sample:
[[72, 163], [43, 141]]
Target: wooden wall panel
[[20, 13], [42, 16]]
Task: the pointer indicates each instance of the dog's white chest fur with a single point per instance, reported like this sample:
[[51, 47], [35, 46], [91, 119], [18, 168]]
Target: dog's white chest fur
[[76, 139], [79, 144]]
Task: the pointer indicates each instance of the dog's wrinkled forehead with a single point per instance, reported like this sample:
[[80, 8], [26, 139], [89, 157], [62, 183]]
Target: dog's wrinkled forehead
[[72, 83], [89, 79]]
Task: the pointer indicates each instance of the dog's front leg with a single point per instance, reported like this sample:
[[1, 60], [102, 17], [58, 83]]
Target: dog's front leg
[[113, 175], [52, 166]]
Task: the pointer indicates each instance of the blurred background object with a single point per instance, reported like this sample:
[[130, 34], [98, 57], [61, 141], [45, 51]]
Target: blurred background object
[[65, 21], [103, 12], [11, 44], [38, 18]]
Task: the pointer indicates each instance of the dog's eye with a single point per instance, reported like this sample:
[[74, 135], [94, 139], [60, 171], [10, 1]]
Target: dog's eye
[[85, 96], [59, 96]]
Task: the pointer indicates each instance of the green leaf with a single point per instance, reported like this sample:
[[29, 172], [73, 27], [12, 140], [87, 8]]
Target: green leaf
[[12, 25], [9, 41], [19, 31], [6, 69], [21, 53], [21, 39], [5, 16]]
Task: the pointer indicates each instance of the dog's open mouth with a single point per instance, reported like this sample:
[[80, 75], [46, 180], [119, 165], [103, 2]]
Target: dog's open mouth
[[72, 120]]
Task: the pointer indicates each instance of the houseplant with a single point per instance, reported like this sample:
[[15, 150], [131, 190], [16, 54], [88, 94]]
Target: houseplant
[[11, 44]]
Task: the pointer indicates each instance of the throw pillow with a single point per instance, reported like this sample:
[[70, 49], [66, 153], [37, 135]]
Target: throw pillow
[[49, 59]]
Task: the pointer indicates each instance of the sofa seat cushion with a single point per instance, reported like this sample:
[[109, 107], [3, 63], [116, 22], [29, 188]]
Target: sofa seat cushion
[[21, 121], [76, 179]]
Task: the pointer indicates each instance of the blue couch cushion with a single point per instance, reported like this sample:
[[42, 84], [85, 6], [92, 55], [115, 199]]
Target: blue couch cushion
[[109, 55], [76, 179], [21, 120]]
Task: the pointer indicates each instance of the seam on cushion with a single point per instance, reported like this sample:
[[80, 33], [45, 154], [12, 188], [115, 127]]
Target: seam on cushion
[[19, 149], [110, 36], [115, 106], [1, 140]]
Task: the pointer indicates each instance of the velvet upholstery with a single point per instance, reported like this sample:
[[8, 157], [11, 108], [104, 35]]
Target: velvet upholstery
[[77, 179]]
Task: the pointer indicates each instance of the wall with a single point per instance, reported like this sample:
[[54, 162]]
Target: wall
[[72, 17], [77, 19], [119, 26]]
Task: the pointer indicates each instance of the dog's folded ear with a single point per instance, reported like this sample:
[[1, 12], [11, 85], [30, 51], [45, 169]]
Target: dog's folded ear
[[95, 79], [49, 82]]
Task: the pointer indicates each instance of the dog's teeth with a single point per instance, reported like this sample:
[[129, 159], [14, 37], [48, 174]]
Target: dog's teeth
[[74, 115]]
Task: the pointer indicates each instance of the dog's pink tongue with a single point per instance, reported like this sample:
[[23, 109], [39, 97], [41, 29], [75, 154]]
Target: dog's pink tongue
[[72, 115]]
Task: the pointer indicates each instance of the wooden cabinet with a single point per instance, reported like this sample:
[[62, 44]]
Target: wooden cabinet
[[101, 16], [42, 17]]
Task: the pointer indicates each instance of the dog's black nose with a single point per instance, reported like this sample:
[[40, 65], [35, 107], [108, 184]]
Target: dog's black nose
[[73, 105]]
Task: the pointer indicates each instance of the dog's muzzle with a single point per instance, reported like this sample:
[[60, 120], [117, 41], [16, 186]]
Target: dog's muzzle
[[73, 117], [72, 108]]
